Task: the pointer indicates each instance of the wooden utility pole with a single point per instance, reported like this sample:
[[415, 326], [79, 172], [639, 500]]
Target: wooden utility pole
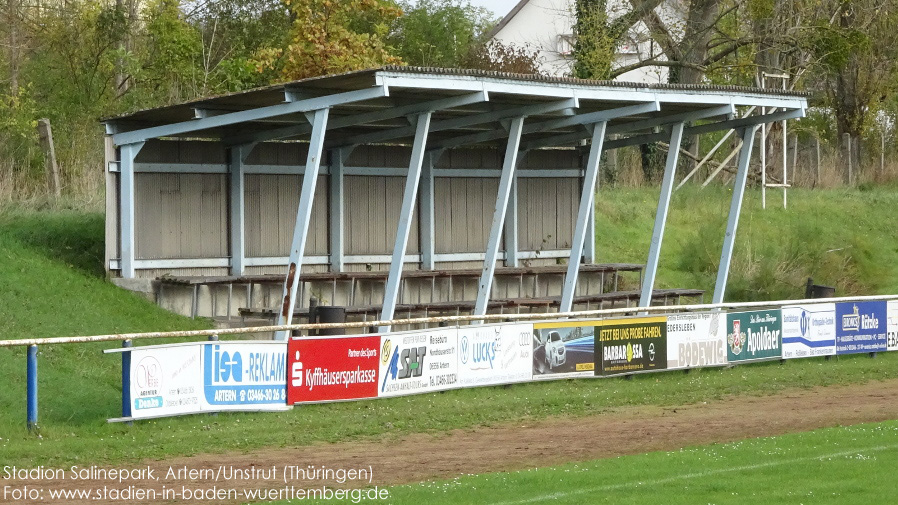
[[46, 138]]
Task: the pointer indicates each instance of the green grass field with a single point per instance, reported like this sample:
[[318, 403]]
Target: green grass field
[[845, 465], [52, 285]]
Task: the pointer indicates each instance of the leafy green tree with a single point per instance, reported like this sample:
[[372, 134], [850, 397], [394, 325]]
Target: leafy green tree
[[440, 33], [233, 33]]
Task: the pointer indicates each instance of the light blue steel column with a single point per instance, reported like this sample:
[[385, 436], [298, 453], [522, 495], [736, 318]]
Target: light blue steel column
[[670, 169], [303, 216], [426, 221], [726, 254], [587, 200], [238, 207], [391, 291], [511, 221], [335, 202], [127, 153], [505, 184]]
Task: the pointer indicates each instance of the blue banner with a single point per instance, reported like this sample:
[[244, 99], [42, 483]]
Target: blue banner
[[860, 327]]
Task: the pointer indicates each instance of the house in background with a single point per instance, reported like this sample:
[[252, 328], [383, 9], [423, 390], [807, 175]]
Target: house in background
[[548, 26]]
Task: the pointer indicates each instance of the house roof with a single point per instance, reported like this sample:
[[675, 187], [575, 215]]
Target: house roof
[[508, 17], [469, 107]]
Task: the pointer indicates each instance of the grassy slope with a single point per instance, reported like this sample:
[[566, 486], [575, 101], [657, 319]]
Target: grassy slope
[[842, 238], [52, 285], [844, 465]]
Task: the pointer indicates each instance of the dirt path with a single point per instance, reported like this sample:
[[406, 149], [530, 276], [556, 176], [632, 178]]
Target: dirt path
[[530, 444]]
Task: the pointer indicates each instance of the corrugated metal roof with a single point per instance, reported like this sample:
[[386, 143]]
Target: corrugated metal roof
[[408, 86]]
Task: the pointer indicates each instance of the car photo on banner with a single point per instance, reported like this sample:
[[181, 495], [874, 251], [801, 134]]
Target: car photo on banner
[[564, 348]]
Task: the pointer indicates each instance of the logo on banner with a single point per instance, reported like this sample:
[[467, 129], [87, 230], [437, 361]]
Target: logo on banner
[[481, 350], [652, 351], [248, 377], [851, 321], [804, 323], [296, 372], [737, 338], [148, 378], [405, 364]]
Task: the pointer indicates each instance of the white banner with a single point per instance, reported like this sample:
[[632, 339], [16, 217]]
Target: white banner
[[177, 379], [809, 330], [892, 324], [165, 381], [418, 362], [696, 340], [495, 354]]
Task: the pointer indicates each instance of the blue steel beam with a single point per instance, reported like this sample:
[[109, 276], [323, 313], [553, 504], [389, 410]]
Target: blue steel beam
[[391, 290], [335, 202], [366, 117], [466, 121], [587, 200], [127, 153], [511, 220], [505, 183], [303, 216], [729, 240], [237, 204], [427, 222], [694, 115], [651, 267], [302, 106], [571, 138], [552, 124]]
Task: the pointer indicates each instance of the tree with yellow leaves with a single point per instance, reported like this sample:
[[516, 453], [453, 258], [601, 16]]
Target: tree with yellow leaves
[[334, 36]]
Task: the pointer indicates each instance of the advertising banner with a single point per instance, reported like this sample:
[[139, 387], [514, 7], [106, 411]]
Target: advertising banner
[[696, 339], [631, 345], [892, 328], [495, 354], [754, 335], [165, 381], [418, 362], [335, 368], [244, 375], [860, 327], [178, 379], [564, 348], [809, 330]]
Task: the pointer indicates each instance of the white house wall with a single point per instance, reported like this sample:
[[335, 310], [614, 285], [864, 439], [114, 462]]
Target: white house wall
[[547, 25]]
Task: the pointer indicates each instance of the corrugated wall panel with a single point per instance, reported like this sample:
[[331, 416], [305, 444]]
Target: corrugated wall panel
[[271, 204], [464, 213], [547, 209], [372, 206], [180, 216]]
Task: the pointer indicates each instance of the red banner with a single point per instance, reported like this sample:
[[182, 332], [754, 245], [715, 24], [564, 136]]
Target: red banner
[[325, 369]]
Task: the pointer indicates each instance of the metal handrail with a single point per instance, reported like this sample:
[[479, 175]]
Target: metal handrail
[[439, 319]]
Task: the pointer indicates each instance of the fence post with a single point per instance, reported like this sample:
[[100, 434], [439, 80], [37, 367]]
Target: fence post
[[126, 380], [32, 387]]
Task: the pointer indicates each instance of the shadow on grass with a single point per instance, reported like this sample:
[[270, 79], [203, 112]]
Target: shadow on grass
[[72, 237]]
